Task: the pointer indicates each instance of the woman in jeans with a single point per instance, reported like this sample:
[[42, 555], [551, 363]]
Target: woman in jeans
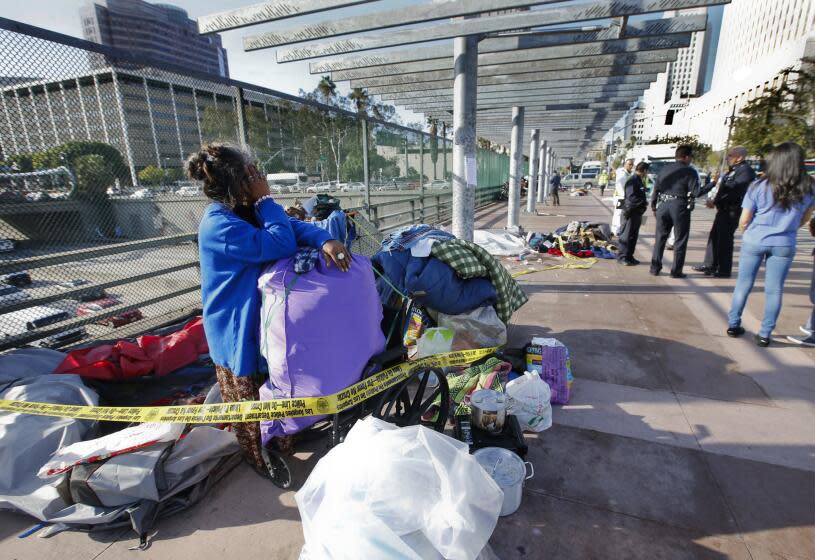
[[241, 231], [773, 210]]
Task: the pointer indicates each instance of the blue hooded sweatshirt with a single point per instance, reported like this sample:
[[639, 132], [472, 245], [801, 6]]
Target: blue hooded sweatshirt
[[233, 253]]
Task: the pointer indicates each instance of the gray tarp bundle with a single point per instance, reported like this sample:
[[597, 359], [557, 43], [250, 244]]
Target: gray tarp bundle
[[132, 488]]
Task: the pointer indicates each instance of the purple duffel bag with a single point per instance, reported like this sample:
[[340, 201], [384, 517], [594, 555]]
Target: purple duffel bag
[[317, 332]]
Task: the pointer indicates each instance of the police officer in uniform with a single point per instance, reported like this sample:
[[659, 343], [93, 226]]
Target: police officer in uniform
[[674, 194], [634, 206], [719, 252]]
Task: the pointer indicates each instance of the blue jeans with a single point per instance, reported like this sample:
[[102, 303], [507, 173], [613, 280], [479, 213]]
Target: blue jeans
[[779, 260], [811, 323]]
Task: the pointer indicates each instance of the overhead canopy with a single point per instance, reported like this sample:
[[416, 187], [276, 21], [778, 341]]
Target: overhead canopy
[[606, 68]]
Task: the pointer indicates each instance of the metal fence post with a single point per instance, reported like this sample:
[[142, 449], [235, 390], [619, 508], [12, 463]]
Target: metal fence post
[[241, 117], [365, 171], [421, 176]]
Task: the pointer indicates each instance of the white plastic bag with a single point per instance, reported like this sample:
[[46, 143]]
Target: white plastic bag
[[390, 492], [480, 328], [123, 441], [499, 243], [529, 400]]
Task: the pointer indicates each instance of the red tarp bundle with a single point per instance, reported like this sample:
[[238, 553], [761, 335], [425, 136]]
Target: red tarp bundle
[[150, 354]]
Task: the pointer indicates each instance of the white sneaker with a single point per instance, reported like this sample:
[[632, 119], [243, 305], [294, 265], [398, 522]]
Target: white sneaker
[[805, 330], [808, 341]]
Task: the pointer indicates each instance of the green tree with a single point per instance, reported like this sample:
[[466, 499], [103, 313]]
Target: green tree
[[783, 113], [151, 175], [701, 152], [67, 154], [94, 176], [19, 163]]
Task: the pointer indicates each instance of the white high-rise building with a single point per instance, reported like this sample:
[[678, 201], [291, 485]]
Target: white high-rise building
[[759, 39], [686, 76]]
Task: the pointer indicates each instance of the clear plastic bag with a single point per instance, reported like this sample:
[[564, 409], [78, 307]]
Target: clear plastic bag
[[529, 400], [390, 492], [480, 328], [436, 340]]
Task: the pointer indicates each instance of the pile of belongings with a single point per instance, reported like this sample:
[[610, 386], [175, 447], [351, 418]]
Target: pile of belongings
[[319, 326], [578, 239], [149, 354], [323, 211], [459, 293], [94, 475]]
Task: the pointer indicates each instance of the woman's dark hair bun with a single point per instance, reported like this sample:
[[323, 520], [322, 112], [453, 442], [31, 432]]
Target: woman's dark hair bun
[[195, 164], [223, 170]]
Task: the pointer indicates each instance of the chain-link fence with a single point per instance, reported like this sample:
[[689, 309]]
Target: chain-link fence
[[97, 222]]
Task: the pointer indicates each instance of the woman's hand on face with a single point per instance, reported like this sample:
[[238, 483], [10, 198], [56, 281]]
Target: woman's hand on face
[[334, 251], [258, 187]]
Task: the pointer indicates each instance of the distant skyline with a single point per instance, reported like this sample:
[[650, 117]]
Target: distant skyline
[[257, 67]]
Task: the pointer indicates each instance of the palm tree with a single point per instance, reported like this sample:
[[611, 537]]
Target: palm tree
[[327, 88], [360, 99]]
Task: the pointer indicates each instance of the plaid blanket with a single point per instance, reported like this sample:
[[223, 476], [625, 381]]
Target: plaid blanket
[[471, 261]]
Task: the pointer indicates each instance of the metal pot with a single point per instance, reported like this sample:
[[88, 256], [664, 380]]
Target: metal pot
[[488, 410], [508, 470]]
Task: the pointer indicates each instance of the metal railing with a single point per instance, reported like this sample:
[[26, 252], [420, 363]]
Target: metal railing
[[92, 146]]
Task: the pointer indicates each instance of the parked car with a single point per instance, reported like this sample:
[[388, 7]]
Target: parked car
[[143, 194], [388, 187], [18, 279], [576, 181], [91, 294], [321, 187], [189, 191], [91, 307], [354, 187], [810, 166], [438, 184], [11, 294], [33, 318], [6, 245], [279, 189]]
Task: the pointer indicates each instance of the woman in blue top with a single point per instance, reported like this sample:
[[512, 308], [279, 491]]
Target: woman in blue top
[[772, 211], [240, 232]]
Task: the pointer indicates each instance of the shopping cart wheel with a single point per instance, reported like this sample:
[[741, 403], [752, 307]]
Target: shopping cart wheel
[[404, 406], [276, 467]]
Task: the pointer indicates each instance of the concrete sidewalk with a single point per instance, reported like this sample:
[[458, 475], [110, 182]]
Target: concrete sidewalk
[[679, 443]]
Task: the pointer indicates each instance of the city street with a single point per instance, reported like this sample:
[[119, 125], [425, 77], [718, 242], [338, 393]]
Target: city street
[[678, 443]]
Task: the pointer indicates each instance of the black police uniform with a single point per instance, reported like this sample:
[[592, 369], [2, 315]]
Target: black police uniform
[[719, 251], [634, 206], [674, 191]]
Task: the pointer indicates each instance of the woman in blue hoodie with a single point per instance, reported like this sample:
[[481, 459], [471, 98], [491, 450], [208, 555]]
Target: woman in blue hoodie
[[240, 232]]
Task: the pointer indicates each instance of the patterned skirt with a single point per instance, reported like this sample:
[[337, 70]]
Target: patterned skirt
[[235, 389]]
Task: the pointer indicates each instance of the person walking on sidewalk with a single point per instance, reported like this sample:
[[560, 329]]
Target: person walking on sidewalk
[[719, 252], [602, 181], [555, 189], [809, 328], [623, 173], [634, 206], [675, 189], [773, 210]]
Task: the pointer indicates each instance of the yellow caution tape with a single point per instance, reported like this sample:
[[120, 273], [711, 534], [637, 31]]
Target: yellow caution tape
[[577, 263], [252, 411]]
